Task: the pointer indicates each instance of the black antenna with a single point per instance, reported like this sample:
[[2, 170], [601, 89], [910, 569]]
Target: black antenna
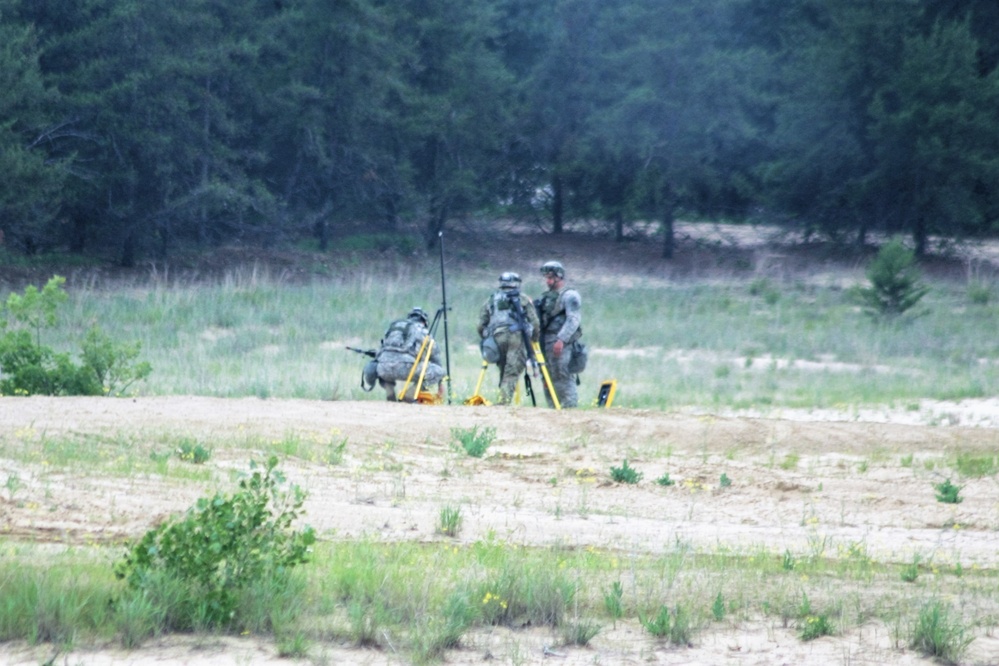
[[447, 352]]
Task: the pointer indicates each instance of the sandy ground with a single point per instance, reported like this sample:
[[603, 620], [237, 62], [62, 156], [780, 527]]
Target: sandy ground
[[545, 480]]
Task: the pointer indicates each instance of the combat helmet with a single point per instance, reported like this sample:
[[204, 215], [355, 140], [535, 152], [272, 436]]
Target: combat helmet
[[553, 268], [509, 280], [420, 314]]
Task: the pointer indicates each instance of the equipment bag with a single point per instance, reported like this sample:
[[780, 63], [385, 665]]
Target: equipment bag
[[369, 375], [580, 354], [490, 350]]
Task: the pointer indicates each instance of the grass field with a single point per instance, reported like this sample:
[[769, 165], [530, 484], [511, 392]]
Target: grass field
[[741, 533]]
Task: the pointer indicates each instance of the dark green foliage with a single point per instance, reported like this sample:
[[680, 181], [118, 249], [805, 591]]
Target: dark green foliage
[[33, 181], [948, 493], [625, 474], [131, 127], [895, 283], [224, 544], [30, 369], [665, 481]]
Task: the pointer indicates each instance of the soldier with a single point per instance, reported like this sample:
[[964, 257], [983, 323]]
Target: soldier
[[560, 312], [397, 356], [501, 319]]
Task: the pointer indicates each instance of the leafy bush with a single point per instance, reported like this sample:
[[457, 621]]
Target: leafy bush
[[895, 284], [815, 626], [193, 452], [665, 481], [625, 474], [473, 441], [674, 625], [115, 365], [224, 545], [948, 493], [27, 367]]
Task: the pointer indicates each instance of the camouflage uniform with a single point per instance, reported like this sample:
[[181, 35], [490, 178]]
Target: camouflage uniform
[[397, 354], [561, 318], [497, 318]]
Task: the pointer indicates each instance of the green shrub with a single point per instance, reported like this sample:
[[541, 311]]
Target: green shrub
[[579, 632], [895, 283], [665, 481], [473, 441], [449, 521], [718, 608], [223, 545], [674, 625], [910, 572], [193, 452], [979, 293], [27, 367], [816, 626], [625, 474], [115, 365], [936, 634], [948, 493], [612, 600]]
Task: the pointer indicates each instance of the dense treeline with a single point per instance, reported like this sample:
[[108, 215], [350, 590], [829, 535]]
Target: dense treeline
[[129, 128]]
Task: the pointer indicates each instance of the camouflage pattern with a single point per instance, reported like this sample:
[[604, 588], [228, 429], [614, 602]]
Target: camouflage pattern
[[497, 318], [561, 315], [399, 348]]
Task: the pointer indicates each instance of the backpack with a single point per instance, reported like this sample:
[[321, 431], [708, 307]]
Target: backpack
[[399, 336]]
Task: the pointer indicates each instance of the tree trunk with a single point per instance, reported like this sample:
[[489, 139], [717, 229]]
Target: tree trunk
[[434, 226]]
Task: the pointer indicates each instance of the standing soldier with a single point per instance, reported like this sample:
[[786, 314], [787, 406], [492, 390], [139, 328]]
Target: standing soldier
[[509, 317], [560, 312], [397, 356]]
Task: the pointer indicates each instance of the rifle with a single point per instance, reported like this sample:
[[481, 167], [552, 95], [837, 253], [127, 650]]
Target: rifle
[[367, 352], [521, 320]]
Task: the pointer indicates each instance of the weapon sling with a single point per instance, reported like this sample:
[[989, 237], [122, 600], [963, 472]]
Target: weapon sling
[[521, 321]]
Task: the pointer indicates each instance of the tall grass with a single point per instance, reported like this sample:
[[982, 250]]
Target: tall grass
[[423, 599], [713, 344]]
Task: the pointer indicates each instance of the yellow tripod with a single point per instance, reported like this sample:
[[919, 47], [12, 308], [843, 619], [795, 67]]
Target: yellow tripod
[[539, 359], [426, 347], [476, 398]]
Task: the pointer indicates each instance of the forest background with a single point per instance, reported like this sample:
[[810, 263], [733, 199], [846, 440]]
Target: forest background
[[131, 130]]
